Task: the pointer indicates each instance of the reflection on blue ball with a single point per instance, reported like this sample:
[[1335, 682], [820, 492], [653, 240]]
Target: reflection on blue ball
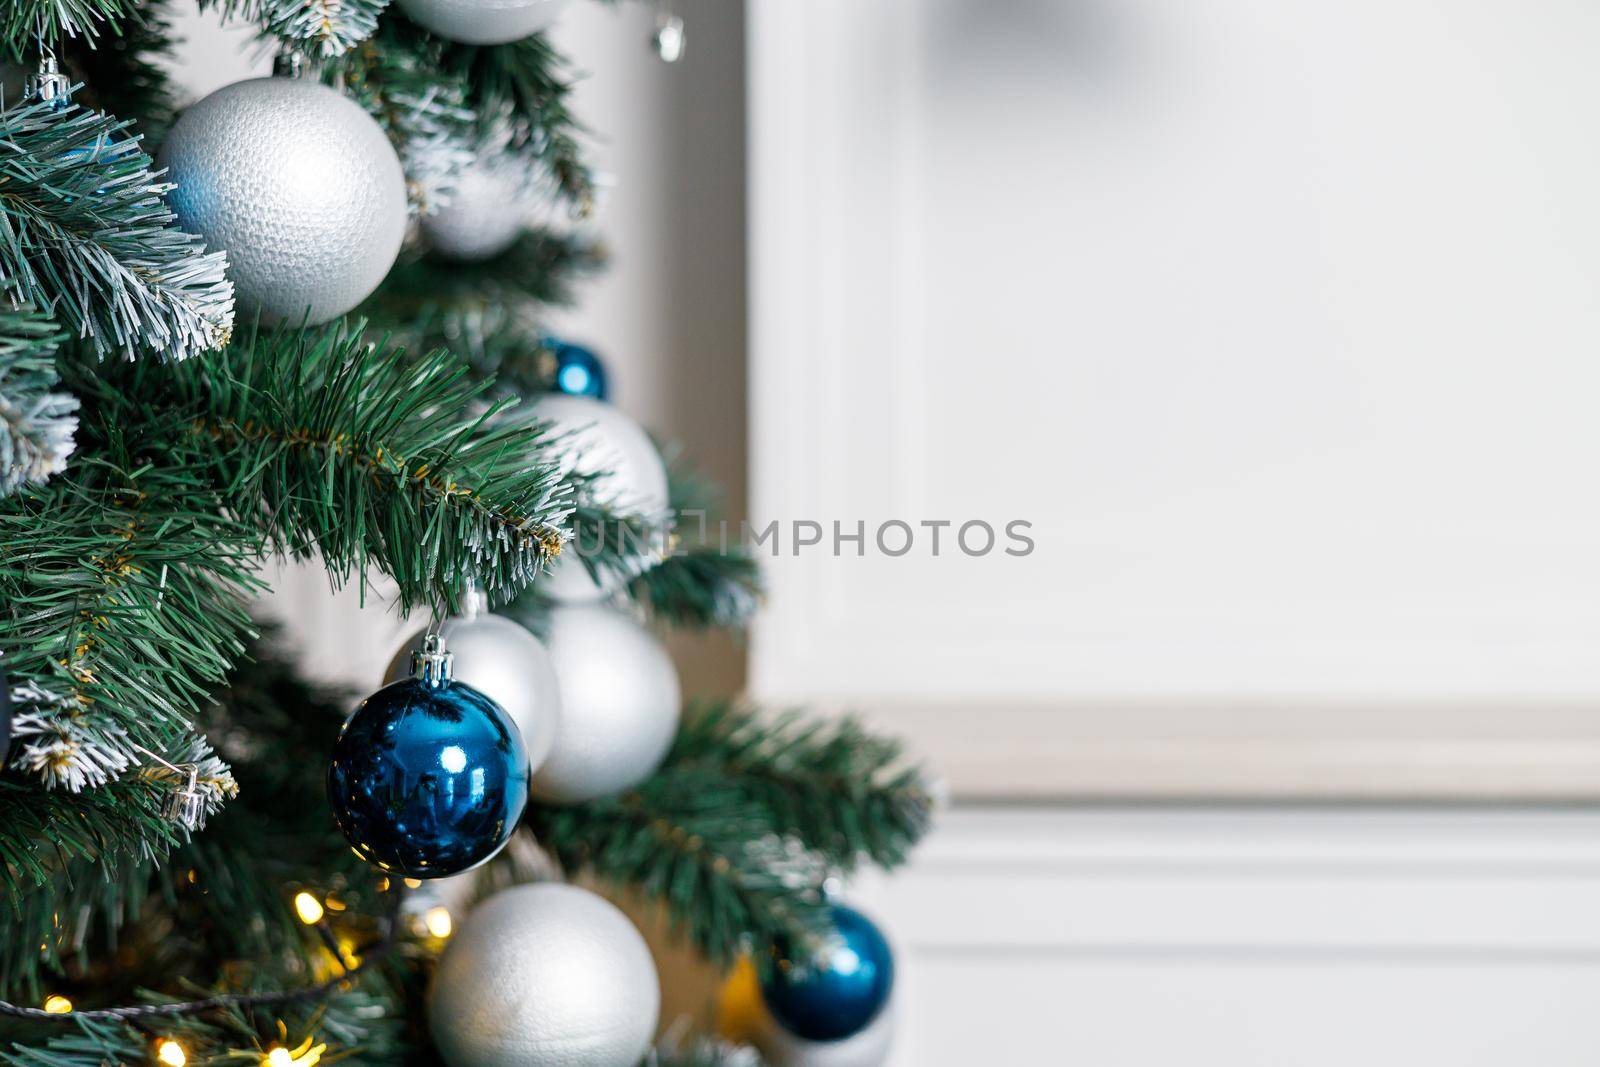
[[428, 780], [837, 994], [579, 371]]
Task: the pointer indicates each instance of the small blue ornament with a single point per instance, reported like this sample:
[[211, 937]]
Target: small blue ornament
[[578, 371], [429, 776], [839, 992]]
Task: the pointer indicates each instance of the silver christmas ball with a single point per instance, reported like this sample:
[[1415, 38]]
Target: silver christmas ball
[[869, 1048], [298, 185], [596, 437], [545, 975], [483, 21], [619, 704], [487, 211], [505, 663]]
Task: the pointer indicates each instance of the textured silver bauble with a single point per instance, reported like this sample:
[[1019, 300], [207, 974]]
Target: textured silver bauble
[[488, 209], [483, 21], [505, 663], [869, 1048], [545, 975], [619, 704], [597, 437], [298, 185]]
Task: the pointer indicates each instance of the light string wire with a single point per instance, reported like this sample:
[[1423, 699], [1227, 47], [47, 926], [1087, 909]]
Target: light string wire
[[369, 954]]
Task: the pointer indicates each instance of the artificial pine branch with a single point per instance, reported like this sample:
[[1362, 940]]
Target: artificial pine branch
[[694, 581], [155, 933], [724, 882], [527, 84], [27, 24], [355, 1021], [708, 579], [85, 237], [48, 832], [520, 93], [319, 27], [700, 587], [610, 544], [82, 1043], [71, 912], [845, 792], [120, 584], [36, 423], [743, 821], [326, 442], [123, 73], [714, 834], [422, 110], [488, 311]]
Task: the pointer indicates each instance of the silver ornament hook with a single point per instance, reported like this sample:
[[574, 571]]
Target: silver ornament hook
[[48, 85], [185, 805], [289, 64], [432, 663]]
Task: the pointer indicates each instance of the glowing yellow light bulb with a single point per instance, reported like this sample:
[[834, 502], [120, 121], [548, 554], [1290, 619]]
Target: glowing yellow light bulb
[[307, 1055], [437, 920], [171, 1053], [413, 883], [308, 907], [56, 1004]]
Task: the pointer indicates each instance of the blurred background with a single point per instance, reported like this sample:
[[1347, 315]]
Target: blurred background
[[1276, 324]]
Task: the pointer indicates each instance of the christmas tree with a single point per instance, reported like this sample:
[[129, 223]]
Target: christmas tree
[[303, 317]]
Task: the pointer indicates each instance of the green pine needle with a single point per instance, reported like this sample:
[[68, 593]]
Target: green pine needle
[[320, 27], [737, 830], [327, 442], [85, 237], [36, 423], [27, 24], [126, 73], [519, 93]]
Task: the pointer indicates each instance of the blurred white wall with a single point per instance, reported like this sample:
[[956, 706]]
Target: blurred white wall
[[1278, 320]]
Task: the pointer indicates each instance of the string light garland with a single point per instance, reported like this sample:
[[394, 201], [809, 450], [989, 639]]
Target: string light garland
[[437, 920], [308, 907], [308, 1054], [58, 1007]]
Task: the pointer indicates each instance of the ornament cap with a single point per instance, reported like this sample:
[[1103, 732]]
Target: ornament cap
[[432, 663], [187, 805], [288, 64], [48, 84]]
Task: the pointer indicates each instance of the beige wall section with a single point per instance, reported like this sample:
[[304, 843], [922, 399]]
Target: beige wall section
[[669, 316]]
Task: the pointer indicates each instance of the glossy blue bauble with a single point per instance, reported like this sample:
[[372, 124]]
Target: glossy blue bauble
[[838, 993], [428, 779], [578, 372]]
